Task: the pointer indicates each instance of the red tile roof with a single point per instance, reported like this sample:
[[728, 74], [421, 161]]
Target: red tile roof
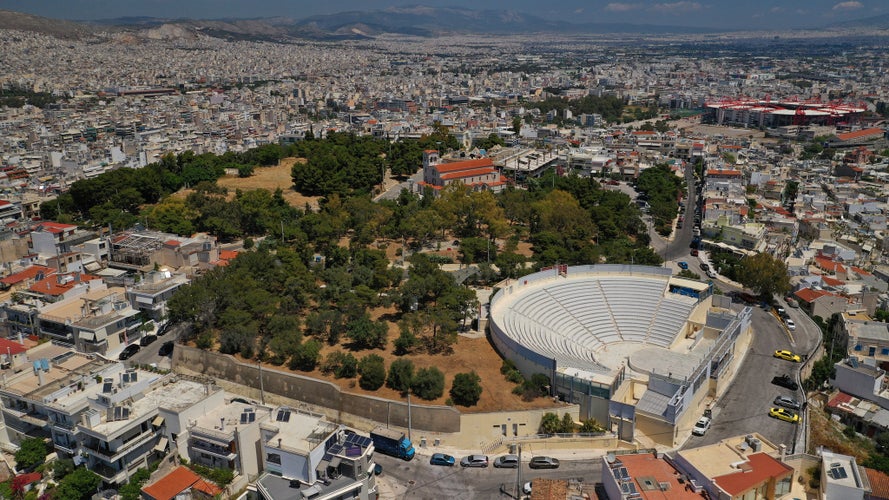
[[51, 285], [758, 469], [177, 481], [227, 254], [11, 347], [464, 165], [840, 399], [55, 227], [832, 281], [467, 173], [879, 483], [723, 173], [26, 275], [172, 243], [858, 134], [829, 265], [807, 295], [859, 271]]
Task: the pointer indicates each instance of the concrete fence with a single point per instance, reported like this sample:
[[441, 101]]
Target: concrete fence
[[337, 405]]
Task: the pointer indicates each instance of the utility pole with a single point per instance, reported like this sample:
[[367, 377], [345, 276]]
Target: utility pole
[[409, 416], [261, 388], [518, 486]]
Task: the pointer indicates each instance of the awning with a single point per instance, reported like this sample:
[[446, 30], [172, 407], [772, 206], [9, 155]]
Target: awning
[[158, 421], [335, 462], [161, 445]]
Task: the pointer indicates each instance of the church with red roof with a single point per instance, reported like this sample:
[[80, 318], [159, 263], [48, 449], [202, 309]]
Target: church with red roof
[[479, 174]]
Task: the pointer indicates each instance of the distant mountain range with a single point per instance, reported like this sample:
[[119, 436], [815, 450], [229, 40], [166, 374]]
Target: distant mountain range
[[413, 20], [876, 22]]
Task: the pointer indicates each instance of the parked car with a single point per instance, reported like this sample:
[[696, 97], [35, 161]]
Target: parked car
[[682, 265], [147, 340], [710, 274], [128, 352], [442, 459], [526, 488], [790, 324], [544, 463], [378, 469], [507, 462], [785, 381], [166, 348], [781, 312], [787, 402], [788, 355], [705, 267], [784, 414], [701, 426], [474, 461], [694, 252]]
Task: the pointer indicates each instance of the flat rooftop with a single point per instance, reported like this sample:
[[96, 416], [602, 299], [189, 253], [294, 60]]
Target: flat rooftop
[[73, 308], [716, 459], [63, 373], [178, 395], [298, 430], [231, 413]]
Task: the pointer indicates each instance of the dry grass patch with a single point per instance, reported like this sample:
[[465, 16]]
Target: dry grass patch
[[270, 179]]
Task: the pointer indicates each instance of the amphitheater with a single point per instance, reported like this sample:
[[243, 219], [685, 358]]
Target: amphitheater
[[633, 346]]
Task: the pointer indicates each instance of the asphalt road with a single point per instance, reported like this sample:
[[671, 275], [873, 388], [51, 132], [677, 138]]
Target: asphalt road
[[744, 407], [149, 354], [429, 482]]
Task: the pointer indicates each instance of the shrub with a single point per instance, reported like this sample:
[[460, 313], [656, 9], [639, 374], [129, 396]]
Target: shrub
[[466, 389], [401, 374], [31, 453], [305, 356], [342, 365], [372, 372], [428, 383]]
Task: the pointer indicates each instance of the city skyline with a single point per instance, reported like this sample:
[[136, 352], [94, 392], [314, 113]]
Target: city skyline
[[756, 14]]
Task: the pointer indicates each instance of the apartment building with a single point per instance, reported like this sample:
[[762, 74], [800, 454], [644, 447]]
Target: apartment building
[[227, 436], [145, 250], [100, 321], [303, 451], [150, 295], [112, 418]]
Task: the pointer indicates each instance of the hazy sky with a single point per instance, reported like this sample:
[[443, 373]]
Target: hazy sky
[[738, 14]]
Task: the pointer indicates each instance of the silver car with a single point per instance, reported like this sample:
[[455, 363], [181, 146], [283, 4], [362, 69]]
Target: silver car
[[506, 462], [787, 402], [474, 461]]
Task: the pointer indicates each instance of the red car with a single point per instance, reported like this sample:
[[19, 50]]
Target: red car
[[694, 253]]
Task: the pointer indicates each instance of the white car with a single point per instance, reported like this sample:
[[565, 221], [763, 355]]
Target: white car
[[790, 324], [701, 426]]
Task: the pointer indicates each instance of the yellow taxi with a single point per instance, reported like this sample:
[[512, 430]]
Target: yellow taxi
[[788, 355], [784, 414]]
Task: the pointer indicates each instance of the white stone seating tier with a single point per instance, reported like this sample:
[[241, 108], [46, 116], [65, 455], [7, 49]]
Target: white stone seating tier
[[573, 319]]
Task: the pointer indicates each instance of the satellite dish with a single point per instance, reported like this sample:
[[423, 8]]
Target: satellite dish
[[609, 457]]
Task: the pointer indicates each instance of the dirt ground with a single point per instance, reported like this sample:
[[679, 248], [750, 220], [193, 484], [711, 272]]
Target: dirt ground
[[825, 432], [272, 178], [469, 354]]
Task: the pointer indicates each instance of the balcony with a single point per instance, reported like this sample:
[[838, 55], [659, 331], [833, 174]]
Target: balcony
[[111, 456], [109, 474], [216, 451], [69, 448]]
